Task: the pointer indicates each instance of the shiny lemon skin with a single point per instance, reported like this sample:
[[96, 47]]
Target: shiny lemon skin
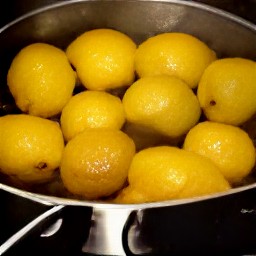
[[178, 54], [165, 173], [103, 58], [30, 147], [162, 103], [229, 147], [226, 91], [95, 163], [41, 80], [91, 109]]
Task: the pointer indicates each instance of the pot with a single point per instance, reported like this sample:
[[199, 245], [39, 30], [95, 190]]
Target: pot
[[223, 223]]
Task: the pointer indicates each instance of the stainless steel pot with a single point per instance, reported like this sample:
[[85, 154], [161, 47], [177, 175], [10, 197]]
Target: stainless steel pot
[[223, 223]]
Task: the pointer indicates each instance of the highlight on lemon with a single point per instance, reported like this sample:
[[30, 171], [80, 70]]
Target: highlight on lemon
[[41, 80], [165, 173], [91, 109], [226, 91], [30, 148], [95, 162], [228, 146], [178, 54], [162, 103], [103, 58]]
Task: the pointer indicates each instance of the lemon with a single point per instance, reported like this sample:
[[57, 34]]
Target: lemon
[[173, 53], [30, 147], [163, 104], [103, 58], [229, 147], [41, 80], [91, 109], [95, 163], [165, 173], [227, 89]]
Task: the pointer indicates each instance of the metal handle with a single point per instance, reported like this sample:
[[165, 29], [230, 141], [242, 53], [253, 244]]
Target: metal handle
[[105, 236], [26, 230], [30, 226]]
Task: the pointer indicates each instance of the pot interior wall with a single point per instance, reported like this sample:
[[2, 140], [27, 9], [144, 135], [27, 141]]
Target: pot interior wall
[[61, 24]]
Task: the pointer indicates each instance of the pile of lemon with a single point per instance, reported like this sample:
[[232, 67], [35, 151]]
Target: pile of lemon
[[156, 121]]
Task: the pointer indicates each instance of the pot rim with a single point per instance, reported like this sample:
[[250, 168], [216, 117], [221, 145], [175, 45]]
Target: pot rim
[[198, 5], [53, 200]]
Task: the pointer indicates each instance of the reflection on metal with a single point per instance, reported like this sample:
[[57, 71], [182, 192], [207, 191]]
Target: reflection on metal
[[53, 229], [134, 242], [248, 211], [105, 235], [29, 227]]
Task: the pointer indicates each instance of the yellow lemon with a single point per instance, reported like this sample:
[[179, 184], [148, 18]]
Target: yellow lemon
[[91, 109], [164, 173], [30, 147], [41, 79], [178, 54], [229, 147], [163, 104], [95, 163], [103, 58], [227, 90]]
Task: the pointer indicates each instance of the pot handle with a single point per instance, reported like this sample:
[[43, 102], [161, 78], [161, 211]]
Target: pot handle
[[38, 222], [105, 236]]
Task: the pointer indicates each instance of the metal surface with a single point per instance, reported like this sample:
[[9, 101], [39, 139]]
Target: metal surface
[[30, 226], [12, 9], [105, 237], [145, 228]]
